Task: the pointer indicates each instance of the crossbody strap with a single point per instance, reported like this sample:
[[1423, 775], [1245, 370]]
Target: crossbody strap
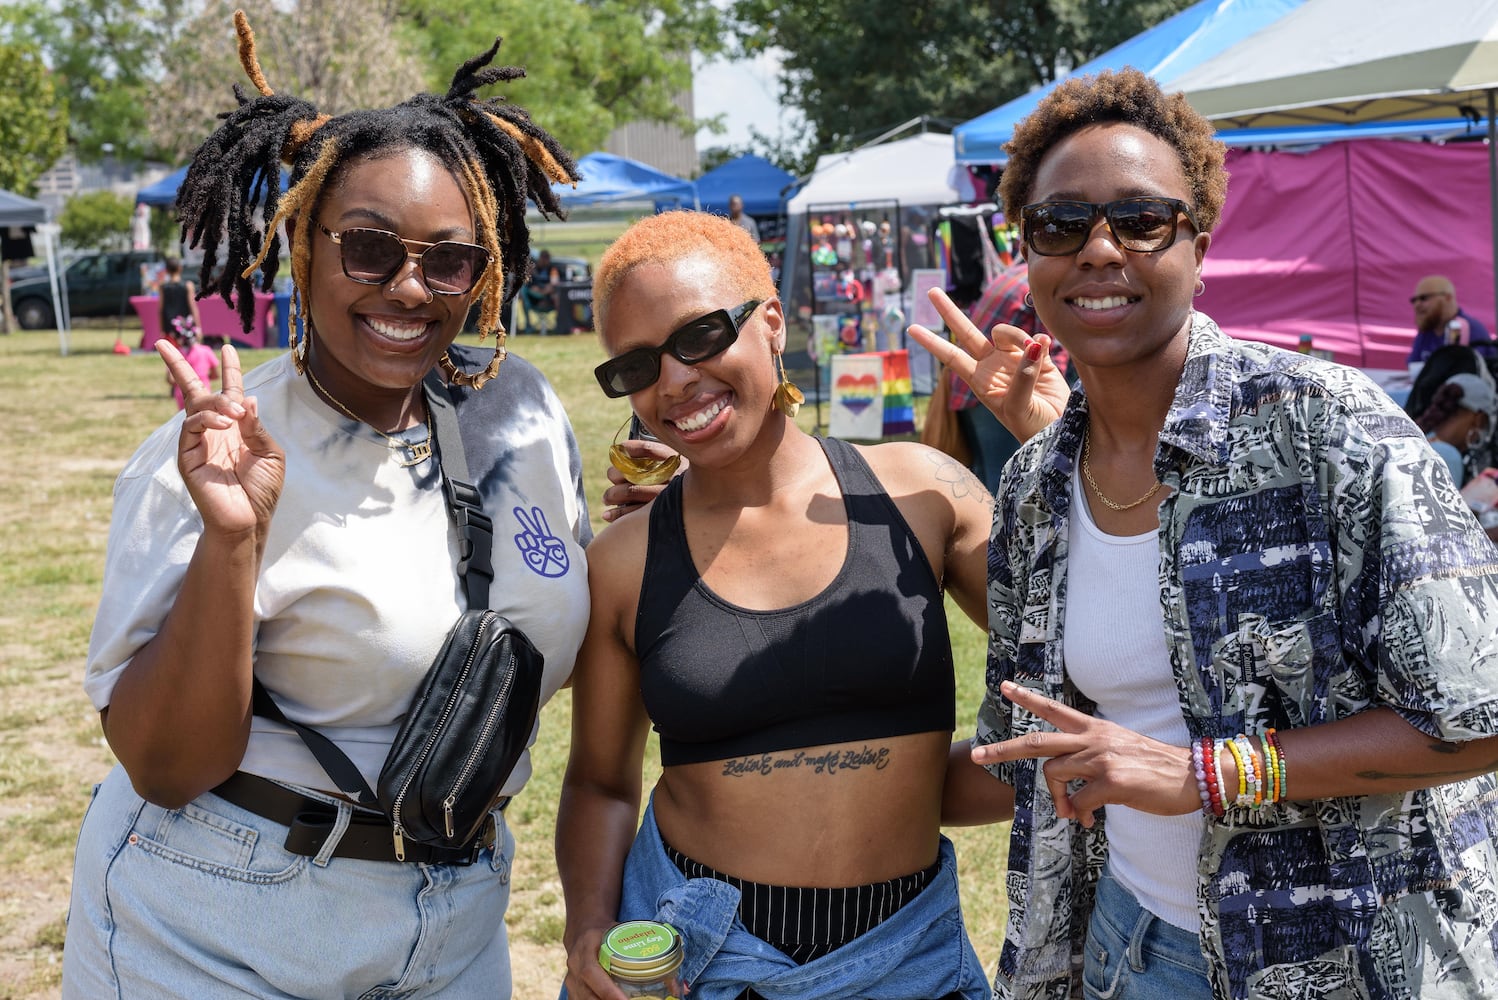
[[475, 569], [475, 529]]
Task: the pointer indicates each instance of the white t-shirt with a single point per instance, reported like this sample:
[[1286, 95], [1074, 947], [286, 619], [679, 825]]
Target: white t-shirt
[[1114, 645], [358, 586]]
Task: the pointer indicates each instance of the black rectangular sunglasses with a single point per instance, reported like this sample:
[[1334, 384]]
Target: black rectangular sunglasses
[[1143, 225], [692, 343]]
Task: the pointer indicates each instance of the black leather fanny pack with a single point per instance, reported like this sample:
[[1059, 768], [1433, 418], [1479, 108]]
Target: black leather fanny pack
[[472, 718]]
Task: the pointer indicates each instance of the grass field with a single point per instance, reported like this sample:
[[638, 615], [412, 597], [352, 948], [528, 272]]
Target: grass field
[[69, 423]]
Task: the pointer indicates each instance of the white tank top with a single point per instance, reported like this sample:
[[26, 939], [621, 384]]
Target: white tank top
[[1114, 646]]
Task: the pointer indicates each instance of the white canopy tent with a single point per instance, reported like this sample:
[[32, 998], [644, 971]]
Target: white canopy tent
[[914, 171], [1351, 61]]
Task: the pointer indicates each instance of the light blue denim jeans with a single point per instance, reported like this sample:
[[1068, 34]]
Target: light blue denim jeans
[[1134, 955], [920, 952], [204, 902]]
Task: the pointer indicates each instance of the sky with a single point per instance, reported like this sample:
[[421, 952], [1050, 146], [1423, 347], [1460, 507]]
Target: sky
[[746, 93]]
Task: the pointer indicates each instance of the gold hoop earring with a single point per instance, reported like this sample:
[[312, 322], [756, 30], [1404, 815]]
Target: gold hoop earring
[[788, 398], [476, 380], [641, 471]]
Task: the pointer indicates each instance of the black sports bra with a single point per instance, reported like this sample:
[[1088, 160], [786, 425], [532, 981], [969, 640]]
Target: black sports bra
[[867, 658]]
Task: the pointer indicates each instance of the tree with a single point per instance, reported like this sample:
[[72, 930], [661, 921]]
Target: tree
[[33, 118], [856, 68], [591, 66], [97, 220], [338, 54], [107, 55]]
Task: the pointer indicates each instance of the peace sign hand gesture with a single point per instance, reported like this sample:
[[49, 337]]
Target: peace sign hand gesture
[[1011, 372], [1115, 765], [233, 468]]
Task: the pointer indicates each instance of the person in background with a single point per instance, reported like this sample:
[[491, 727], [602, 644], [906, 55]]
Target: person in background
[[1458, 423], [1242, 673], [739, 218], [199, 357], [540, 289], [293, 530], [1439, 321], [179, 301], [1443, 362]]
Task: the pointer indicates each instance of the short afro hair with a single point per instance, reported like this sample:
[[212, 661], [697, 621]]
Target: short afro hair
[[673, 236], [1126, 97]]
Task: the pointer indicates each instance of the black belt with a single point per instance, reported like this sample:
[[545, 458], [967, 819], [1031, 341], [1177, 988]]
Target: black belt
[[310, 822]]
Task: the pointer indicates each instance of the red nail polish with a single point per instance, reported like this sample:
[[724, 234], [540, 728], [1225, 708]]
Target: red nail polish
[[1033, 350]]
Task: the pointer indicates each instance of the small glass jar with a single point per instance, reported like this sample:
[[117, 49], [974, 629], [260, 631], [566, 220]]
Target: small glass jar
[[644, 959]]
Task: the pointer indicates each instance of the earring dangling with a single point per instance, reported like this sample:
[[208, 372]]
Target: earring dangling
[[476, 379], [1201, 286], [788, 398], [641, 471], [298, 334]]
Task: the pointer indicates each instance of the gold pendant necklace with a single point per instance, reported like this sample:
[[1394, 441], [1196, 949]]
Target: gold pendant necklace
[[417, 451], [1087, 474]]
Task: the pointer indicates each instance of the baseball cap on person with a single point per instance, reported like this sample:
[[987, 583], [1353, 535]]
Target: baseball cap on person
[[1477, 395]]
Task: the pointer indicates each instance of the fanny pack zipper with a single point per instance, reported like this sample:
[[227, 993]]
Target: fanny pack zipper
[[447, 709], [479, 746]]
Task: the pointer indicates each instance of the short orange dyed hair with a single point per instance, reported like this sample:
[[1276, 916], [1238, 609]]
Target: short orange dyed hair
[[674, 236]]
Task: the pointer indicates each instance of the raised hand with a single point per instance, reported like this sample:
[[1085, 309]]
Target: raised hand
[[233, 468], [1011, 372], [1115, 765]]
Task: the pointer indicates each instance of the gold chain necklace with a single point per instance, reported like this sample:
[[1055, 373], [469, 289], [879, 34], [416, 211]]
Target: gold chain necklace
[[419, 451], [1087, 474]]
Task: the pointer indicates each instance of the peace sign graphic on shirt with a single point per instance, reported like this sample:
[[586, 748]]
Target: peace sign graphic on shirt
[[543, 552]]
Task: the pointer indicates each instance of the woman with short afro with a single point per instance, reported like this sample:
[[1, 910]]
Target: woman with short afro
[[289, 537], [1242, 676]]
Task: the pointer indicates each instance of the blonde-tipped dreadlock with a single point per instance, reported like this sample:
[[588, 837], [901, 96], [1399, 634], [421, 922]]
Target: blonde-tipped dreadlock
[[501, 158]]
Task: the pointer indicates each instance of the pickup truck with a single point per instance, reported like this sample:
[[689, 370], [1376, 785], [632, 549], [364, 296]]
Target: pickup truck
[[99, 284]]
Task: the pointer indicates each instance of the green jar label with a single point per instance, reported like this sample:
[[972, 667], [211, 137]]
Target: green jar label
[[640, 939]]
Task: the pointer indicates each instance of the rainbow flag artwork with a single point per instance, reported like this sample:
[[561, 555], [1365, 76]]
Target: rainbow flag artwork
[[857, 397], [899, 398]]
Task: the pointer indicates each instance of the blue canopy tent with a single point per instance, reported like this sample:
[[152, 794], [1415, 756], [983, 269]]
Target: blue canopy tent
[[163, 194], [608, 178], [1165, 51], [753, 178]]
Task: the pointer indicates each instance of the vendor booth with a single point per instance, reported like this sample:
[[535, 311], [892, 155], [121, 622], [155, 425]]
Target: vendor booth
[[857, 234]]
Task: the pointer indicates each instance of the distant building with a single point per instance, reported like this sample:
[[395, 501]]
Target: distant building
[[68, 177], [661, 146]]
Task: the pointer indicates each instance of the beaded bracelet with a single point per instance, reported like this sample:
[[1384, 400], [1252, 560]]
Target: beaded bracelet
[[1237, 755], [1222, 791], [1272, 739], [1272, 765], [1199, 767], [1212, 759]]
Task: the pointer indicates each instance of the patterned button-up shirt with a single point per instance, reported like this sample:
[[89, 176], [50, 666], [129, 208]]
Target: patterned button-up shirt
[[1315, 562]]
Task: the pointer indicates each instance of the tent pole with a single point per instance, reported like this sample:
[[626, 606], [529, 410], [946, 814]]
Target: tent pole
[[1493, 194]]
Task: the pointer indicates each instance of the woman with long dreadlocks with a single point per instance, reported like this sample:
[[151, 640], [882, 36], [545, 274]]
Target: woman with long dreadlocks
[[291, 530]]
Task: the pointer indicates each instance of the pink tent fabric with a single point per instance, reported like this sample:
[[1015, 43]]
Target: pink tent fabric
[[1332, 242]]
